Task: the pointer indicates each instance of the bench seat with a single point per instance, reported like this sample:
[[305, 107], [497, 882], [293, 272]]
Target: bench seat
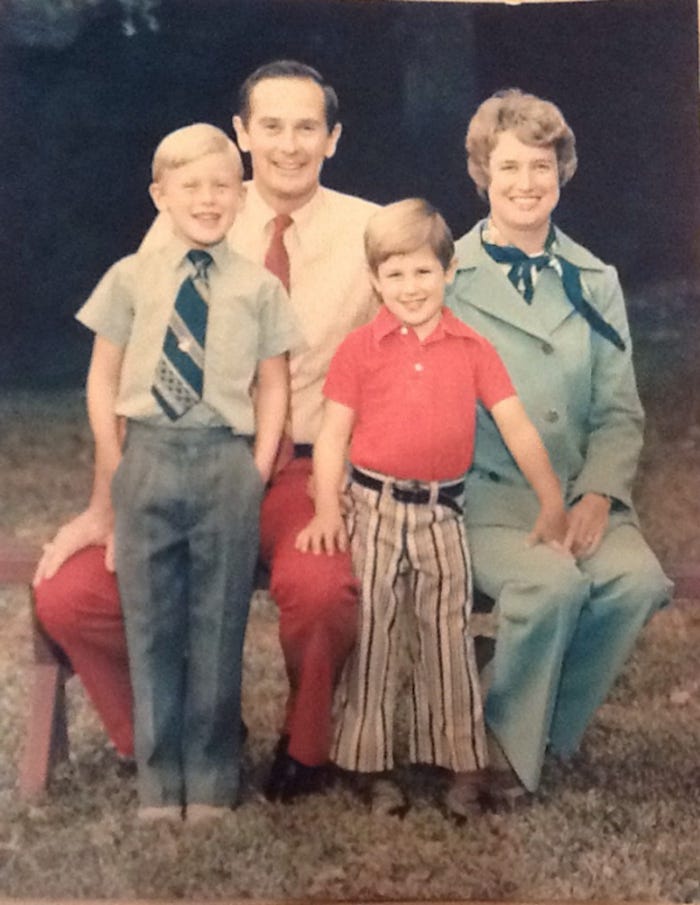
[[46, 735]]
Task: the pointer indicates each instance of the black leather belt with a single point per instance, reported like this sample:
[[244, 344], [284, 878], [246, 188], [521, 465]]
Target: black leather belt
[[447, 494], [303, 451]]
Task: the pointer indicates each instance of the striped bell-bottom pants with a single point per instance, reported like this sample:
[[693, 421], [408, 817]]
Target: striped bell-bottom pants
[[412, 562]]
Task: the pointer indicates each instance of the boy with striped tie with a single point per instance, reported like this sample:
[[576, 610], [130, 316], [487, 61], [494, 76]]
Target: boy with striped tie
[[181, 333]]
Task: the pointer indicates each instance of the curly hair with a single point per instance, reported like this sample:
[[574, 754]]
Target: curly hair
[[533, 120]]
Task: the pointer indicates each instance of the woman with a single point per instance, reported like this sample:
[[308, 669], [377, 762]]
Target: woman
[[568, 618]]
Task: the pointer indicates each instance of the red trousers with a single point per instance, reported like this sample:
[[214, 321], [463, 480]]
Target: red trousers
[[317, 599]]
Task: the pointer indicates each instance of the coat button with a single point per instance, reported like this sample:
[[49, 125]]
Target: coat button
[[551, 415], [547, 348], [494, 476]]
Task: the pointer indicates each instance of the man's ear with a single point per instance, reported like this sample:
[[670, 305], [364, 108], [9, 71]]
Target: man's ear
[[155, 190], [333, 139], [241, 134]]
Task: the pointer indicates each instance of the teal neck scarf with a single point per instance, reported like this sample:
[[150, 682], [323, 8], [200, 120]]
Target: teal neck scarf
[[523, 268]]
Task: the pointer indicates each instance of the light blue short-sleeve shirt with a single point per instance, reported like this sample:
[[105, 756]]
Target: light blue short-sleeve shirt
[[250, 319]]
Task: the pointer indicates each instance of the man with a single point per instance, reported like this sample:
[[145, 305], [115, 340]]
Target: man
[[310, 237]]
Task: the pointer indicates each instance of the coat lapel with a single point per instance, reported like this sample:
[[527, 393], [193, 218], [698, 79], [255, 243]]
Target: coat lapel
[[487, 292]]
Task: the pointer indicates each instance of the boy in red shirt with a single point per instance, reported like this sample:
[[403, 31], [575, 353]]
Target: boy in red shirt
[[402, 393]]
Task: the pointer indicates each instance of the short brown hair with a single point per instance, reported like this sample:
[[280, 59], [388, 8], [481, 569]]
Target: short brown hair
[[403, 227], [533, 120]]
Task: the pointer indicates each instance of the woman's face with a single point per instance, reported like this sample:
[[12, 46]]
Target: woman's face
[[523, 190]]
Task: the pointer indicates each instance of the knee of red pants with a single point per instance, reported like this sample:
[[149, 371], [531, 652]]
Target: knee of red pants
[[80, 610], [80, 593]]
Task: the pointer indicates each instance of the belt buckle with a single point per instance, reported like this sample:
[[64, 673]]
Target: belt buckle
[[409, 491]]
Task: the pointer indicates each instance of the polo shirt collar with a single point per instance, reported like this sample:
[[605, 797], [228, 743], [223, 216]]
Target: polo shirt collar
[[386, 323]]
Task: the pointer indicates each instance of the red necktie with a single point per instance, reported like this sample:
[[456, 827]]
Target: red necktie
[[276, 257], [277, 262]]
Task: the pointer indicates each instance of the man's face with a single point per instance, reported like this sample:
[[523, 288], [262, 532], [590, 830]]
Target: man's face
[[288, 140]]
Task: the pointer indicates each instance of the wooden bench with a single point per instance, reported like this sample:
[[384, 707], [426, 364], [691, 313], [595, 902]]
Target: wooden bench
[[46, 736]]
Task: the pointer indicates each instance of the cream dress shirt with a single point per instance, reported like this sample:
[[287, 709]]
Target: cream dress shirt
[[329, 284]]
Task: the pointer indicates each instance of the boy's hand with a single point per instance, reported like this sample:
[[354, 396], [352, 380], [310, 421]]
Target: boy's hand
[[92, 527], [323, 534], [587, 523], [550, 528]]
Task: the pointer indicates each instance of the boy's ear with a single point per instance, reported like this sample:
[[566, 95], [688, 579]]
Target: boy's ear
[[155, 190], [451, 271], [374, 282], [241, 134]]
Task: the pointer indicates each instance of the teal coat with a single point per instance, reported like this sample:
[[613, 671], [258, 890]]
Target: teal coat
[[578, 389], [565, 626]]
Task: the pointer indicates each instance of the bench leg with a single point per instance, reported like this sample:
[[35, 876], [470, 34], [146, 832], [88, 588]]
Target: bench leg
[[46, 736]]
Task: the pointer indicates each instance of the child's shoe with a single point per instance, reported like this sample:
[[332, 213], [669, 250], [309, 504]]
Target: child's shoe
[[196, 814], [466, 795], [168, 813], [386, 799], [380, 793]]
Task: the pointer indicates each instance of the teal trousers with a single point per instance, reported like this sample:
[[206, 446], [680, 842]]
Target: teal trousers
[[565, 630]]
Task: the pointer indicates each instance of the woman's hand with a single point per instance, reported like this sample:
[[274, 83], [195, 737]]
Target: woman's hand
[[93, 527], [587, 523], [324, 533]]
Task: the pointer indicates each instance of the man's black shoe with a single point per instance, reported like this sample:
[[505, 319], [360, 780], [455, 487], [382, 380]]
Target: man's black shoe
[[290, 779]]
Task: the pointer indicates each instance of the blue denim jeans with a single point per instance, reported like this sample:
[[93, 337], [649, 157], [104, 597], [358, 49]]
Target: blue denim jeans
[[186, 505]]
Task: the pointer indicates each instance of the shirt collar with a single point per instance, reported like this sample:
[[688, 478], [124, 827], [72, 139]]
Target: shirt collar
[[175, 250], [259, 213], [386, 323]]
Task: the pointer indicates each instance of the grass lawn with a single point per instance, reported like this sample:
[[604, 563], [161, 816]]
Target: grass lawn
[[621, 821]]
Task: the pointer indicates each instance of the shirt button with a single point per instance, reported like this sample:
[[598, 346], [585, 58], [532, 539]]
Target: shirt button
[[418, 366], [547, 348], [403, 331], [551, 415]]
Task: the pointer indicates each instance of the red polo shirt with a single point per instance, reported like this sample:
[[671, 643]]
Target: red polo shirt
[[415, 402]]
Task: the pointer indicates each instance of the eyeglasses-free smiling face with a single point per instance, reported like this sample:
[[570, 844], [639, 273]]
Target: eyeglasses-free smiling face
[[288, 140], [201, 197], [523, 190], [412, 286]]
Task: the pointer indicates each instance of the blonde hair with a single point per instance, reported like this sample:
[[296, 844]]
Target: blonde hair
[[404, 226], [533, 120], [190, 143]]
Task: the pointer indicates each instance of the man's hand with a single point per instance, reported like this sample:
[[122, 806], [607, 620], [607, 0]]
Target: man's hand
[[323, 534], [90, 528], [587, 523]]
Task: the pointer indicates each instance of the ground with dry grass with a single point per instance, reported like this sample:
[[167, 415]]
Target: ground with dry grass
[[620, 821]]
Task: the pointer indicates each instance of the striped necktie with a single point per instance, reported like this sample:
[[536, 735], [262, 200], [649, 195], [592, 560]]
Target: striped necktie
[[180, 373]]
